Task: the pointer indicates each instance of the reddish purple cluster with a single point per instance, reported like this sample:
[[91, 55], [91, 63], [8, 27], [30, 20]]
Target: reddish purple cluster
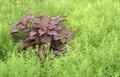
[[42, 30]]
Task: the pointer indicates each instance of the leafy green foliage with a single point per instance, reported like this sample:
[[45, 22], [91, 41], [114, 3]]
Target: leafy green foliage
[[42, 30]]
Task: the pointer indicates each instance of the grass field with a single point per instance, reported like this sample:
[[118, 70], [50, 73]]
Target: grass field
[[95, 51]]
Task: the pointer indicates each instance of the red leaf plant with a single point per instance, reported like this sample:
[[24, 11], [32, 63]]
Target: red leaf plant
[[40, 31]]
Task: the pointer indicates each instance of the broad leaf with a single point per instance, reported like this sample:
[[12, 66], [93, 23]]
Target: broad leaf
[[44, 19], [52, 32], [32, 33], [51, 26], [61, 47], [56, 20], [41, 32], [15, 30], [45, 39], [25, 44], [59, 27]]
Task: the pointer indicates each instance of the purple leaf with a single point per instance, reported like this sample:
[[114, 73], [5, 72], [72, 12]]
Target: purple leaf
[[61, 47], [62, 19], [69, 33], [56, 20], [30, 38], [26, 19], [15, 30], [53, 22], [35, 27], [44, 19], [26, 30], [36, 22], [25, 44], [19, 23], [45, 39], [22, 27], [44, 28], [32, 33], [51, 26], [41, 32], [59, 27], [57, 38], [52, 33]]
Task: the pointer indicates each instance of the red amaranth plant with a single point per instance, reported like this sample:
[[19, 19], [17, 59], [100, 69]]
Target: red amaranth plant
[[40, 31]]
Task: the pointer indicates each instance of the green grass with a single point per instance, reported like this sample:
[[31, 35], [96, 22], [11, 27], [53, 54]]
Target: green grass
[[95, 51]]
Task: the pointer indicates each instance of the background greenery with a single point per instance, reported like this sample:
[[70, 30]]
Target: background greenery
[[95, 51]]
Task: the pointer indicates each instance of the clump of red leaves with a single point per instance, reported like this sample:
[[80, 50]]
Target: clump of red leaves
[[40, 31]]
